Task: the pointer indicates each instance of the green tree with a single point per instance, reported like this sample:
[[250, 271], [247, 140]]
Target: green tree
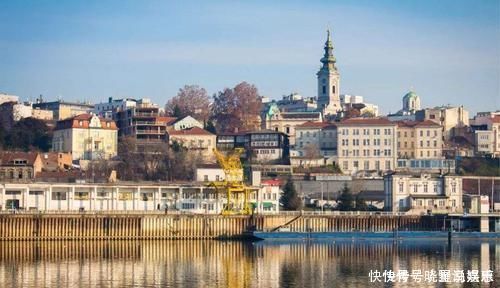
[[346, 199], [290, 198]]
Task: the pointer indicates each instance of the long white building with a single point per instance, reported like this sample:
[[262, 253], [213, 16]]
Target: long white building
[[191, 198]]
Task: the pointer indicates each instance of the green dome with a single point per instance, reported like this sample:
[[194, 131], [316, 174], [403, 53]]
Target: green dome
[[410, 95]]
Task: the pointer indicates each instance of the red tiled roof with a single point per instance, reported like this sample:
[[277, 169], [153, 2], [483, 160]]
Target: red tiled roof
[[86, 117], [428, 123], [311, 124], [496, 119], [190, 131], [272, 182], [366, 121], [7, 158]]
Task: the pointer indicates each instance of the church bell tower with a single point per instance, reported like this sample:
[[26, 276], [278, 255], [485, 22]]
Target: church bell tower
[[328, 82]]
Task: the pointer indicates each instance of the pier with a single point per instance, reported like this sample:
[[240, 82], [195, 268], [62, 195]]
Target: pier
[[156, 225]]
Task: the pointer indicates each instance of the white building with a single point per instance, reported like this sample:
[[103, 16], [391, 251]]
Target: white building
[[106, 109], [316, 137], [423, 193], [192, 198], [366, 144]]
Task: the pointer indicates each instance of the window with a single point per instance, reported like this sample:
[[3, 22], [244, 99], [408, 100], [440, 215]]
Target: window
[[217, 177], [367, 165], [401, 187], [387, 165], [324, 89], [12, 192], [377, 165], [58, 195], [205, 178], [187, 206], [355, 164], [36, 192], [333, 89], [415, 188], [425, 187], [345, 165], [454, 187]]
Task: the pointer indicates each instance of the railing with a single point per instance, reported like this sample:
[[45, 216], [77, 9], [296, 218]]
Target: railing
[[177, 212]]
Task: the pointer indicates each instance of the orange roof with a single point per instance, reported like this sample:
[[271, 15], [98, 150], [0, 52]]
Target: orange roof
[[311, 124], [73, 122], [190, 131], [496, 119], [366, 121], [166, 120]]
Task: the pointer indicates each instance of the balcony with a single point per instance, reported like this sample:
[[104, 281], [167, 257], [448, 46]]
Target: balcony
[[150, 132], [145, 114]]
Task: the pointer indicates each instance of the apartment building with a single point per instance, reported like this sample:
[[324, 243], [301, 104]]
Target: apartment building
[[320, 137], [143, 123], [63, 109], [366, 144], [19, 166], [86, 137], [419, 140]]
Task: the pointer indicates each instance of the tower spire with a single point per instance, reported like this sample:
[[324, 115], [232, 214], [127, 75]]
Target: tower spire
[[328, 59]]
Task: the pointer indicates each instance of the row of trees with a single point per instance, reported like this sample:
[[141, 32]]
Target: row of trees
[[346, 200], [231, 109]]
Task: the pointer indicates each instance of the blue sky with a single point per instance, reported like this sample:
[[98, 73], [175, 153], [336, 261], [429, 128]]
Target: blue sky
[[448, 51]]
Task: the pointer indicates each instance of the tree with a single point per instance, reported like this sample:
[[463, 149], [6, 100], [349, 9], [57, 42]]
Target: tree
[[210, 127], [290, 199], [191, 100], [311, 152], [237, 108], [346, 199], [29, 134]]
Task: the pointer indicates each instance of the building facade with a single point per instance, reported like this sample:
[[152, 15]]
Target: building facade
[[316, 139], [194, 198], [263, 146], [86, 137], [366, 144], [275, 119], [19, 166], [423, 193], [447, 117], [62, 109], [143, 123], [419, 140], [196, 140]]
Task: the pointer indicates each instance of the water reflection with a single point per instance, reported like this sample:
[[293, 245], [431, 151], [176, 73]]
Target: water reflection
[[234, 264]]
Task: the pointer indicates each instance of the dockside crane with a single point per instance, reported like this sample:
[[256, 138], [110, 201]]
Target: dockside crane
[[237, 193]]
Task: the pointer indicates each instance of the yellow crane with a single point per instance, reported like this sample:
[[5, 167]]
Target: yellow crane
[[237, 192]]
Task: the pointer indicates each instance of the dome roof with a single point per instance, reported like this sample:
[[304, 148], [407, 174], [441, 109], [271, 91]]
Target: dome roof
[[410, 95]]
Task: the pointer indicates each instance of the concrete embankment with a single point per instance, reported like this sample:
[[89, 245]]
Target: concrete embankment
[[81, 226]]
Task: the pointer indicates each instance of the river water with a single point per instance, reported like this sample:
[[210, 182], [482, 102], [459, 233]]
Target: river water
[[247, 264]]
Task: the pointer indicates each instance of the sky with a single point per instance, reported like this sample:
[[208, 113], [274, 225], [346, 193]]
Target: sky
[[448, 52]]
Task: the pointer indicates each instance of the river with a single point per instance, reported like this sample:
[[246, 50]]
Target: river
[[246, 264]]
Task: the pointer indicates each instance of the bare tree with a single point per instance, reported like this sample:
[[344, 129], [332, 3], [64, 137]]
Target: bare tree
[[311, 152], [238, 108], [190, 100]]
